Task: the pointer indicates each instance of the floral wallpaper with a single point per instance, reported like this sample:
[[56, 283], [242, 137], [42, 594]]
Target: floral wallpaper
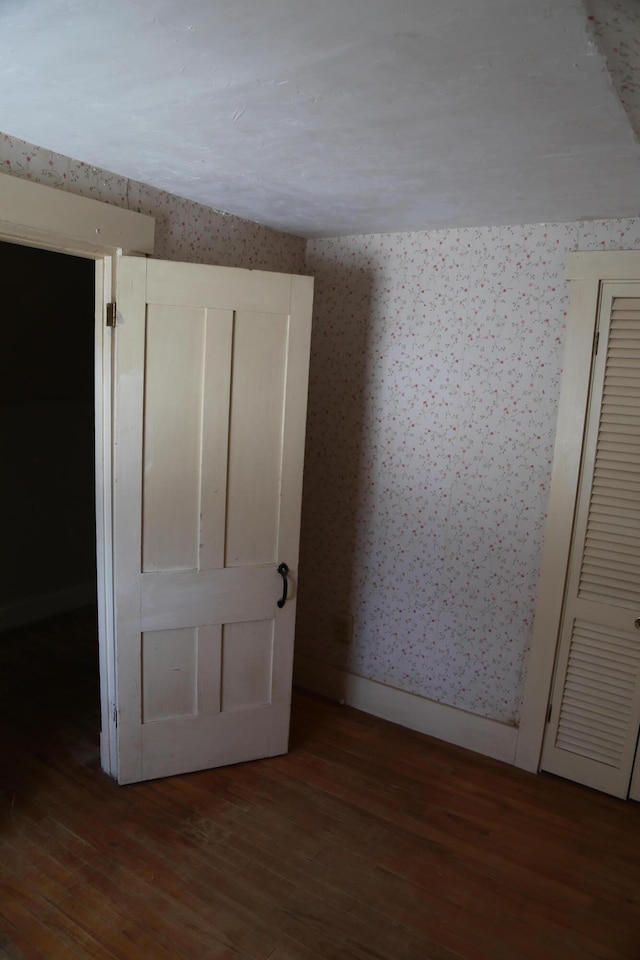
[[434, 384], [435, 376], [616, 26], [184, 230]]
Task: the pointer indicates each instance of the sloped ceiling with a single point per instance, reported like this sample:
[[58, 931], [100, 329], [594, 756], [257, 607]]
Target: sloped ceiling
[[329, 117]]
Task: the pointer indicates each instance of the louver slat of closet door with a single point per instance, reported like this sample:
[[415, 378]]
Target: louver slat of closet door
[[598, 697], [613, 526]]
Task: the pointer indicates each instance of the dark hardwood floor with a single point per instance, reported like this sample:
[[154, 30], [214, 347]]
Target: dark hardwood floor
[[366, 842]]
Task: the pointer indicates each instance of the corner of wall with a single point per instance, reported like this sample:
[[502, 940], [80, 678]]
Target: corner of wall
[[488, 737]]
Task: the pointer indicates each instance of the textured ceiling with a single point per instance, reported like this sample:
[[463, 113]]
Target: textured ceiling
[[332, 117]]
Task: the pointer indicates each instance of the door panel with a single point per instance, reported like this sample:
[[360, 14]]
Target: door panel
[[255, 438], [209, 414], [175, 341], [169, 674], [247, 664]]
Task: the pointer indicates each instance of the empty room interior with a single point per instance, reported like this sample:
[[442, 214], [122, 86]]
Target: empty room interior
[[320, 395]]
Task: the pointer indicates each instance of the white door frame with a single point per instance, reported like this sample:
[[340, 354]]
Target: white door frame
[[38, 216], [585, 273]]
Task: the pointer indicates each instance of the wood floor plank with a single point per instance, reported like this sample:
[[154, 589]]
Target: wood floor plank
[[105, 904], [365, 842], [480, 894], [32, 931], [437, 825]]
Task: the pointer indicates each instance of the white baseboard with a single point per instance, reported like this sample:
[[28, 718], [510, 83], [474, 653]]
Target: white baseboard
[[493, 739], [18, 613]]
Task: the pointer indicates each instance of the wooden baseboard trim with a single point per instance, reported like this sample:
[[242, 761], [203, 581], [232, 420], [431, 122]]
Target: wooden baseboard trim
[[25, 610], [488, 737]]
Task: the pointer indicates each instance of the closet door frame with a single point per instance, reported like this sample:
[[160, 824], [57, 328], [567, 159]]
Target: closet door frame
[[36, 215], [586, 272]]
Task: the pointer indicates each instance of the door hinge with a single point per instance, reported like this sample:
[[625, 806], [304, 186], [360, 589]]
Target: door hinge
[[549, 709], [597, 341], [115, 715], [111, 314]]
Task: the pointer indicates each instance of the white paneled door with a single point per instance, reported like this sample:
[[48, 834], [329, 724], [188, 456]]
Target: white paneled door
[[210, 388]]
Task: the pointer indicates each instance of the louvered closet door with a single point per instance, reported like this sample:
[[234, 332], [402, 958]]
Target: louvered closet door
[[593, 728]]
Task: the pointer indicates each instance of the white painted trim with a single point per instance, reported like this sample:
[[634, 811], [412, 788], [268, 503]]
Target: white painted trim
[[47, 216], [493, 739], [81, 227], [586, 272], [104, 526], [574, 394], [25, 610], [604, 265]]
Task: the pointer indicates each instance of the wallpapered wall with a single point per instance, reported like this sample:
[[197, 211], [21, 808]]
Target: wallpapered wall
[[184, 230], [435, 378], [434, 384]]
